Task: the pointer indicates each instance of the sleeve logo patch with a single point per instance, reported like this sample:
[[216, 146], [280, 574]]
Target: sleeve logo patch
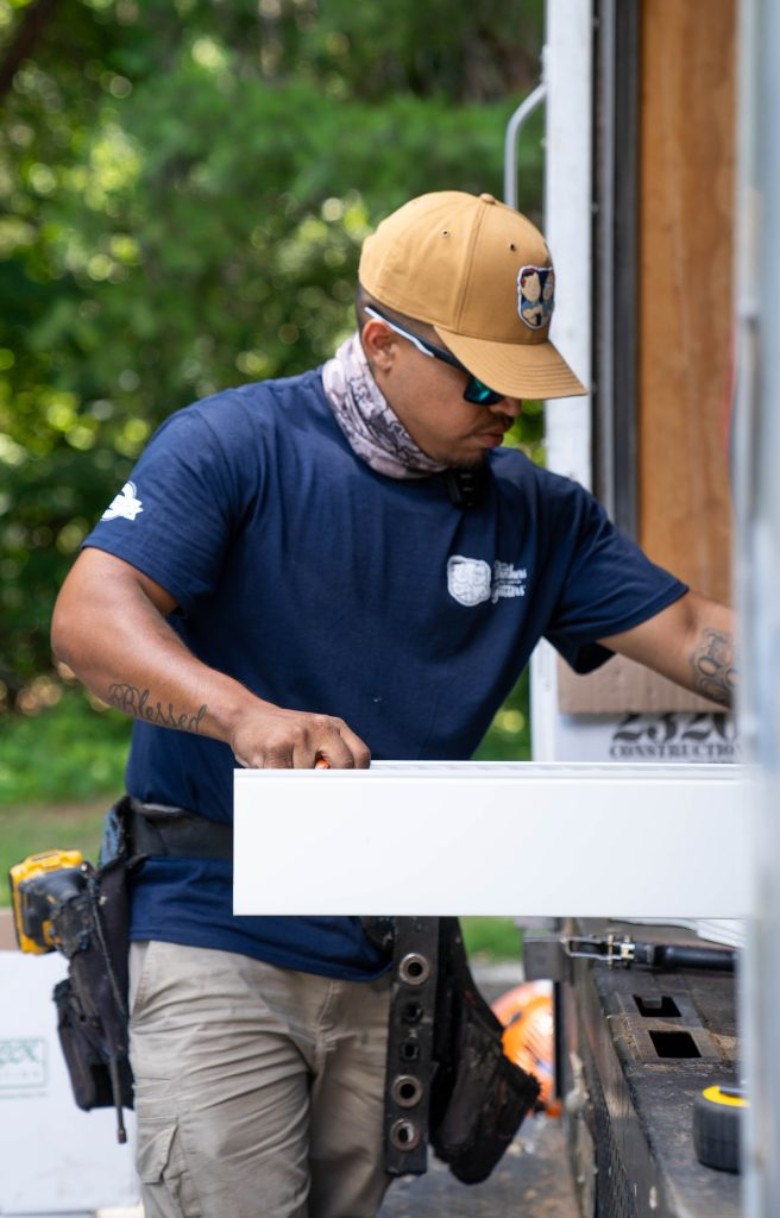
[[126, 505]]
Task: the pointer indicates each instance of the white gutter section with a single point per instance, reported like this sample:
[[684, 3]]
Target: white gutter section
[[434, 838]]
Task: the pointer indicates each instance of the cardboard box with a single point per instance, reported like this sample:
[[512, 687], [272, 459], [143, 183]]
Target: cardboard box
[[7, 934], [54, 1159], [623, 687]]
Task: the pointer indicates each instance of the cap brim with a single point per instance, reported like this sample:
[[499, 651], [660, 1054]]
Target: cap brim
[[520, 370]]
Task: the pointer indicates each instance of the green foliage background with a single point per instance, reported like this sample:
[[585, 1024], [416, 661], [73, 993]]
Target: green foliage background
[[184, 188]]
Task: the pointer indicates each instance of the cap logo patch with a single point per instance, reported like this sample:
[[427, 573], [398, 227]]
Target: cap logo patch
[[535, 295]]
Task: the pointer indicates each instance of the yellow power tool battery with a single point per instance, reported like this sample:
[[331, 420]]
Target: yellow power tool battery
[[38, 886]]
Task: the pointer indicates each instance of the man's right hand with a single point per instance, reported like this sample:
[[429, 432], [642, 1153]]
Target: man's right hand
[[270, 737]]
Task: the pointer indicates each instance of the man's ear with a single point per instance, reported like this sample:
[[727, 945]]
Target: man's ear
[[379, 343]]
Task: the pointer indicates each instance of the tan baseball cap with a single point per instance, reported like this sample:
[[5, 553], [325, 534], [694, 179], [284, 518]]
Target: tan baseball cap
[[481, 274]]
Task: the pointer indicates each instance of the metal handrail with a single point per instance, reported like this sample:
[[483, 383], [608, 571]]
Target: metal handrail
[[513, 129]]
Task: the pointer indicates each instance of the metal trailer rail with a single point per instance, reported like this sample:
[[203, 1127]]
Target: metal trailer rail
[[757, 443]]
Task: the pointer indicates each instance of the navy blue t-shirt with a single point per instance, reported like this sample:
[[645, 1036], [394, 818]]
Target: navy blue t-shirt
[[323, 586]]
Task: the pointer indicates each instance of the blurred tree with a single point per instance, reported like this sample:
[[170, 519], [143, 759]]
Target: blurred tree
[[184, 187]]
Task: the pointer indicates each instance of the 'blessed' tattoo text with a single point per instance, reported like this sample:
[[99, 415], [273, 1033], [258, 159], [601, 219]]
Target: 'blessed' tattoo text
[[134, 701]]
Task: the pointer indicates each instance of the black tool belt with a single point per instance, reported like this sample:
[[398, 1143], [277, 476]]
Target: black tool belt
[[158, 829], [410, 1049], [92, 928], [448, 1081]]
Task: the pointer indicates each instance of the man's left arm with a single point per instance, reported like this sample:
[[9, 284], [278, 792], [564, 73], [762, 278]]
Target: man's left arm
[[691, 642]]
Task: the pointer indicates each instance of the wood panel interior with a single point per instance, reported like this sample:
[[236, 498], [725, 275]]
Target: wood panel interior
[[687, 150], [686, 224]]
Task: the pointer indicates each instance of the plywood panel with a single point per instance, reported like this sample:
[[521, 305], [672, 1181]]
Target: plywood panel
[[622, 686], [687, 156]]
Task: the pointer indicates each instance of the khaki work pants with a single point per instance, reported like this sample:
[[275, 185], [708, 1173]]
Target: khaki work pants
[[259, 1090]]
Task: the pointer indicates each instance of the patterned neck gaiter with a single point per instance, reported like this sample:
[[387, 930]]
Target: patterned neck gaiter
[[374, 432]]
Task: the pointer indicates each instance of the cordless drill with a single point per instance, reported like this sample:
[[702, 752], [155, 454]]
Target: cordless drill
[[40, 886]]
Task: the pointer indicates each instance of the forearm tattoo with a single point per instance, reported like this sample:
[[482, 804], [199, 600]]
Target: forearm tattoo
[[714, 675], [134, 701]]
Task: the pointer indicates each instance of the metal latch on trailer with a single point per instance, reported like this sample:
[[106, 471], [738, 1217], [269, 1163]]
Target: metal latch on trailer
[[549, 957]]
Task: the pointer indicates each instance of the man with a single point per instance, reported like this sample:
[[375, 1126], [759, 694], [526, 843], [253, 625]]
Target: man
[[325, 568]]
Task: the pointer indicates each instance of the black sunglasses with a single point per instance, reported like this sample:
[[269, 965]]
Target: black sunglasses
[[476, 391]]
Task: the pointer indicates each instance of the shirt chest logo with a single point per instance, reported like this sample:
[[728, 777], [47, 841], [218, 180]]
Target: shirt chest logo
[[471, 581]]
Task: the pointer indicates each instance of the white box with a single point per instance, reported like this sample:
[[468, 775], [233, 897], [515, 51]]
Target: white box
[[54, 1159]]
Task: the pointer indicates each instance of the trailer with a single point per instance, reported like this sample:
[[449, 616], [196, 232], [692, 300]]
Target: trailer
[[662, 131]]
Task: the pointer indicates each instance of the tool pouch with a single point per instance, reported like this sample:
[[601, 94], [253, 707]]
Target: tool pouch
[[92, 933], [479, 1097], [92, 930], [82, 1042]]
